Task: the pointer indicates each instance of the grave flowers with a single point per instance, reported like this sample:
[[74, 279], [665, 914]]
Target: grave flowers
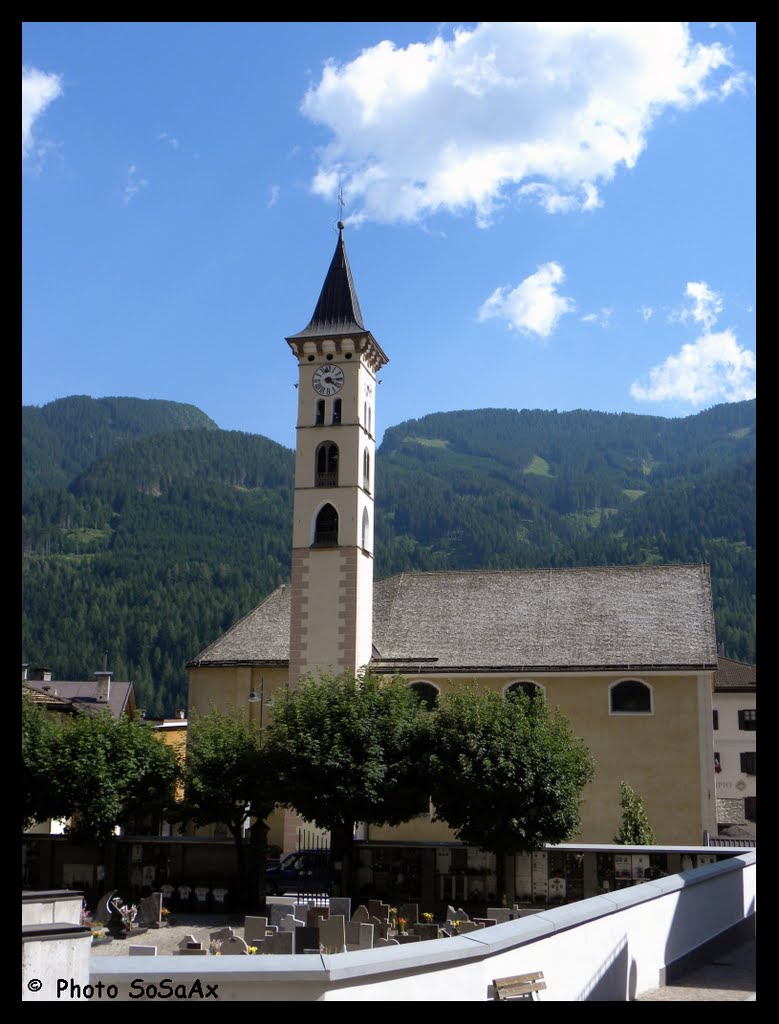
[[402, 925]]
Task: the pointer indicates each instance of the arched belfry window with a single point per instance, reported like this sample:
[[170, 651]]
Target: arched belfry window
[[326, 468], [630, 697], [336, 410], [426, 694], [326, 527], [320, 412], [365, 528], [366, 470], [531, 690]]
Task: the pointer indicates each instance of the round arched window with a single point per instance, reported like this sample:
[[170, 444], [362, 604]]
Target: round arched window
[[630, 697], [427, 694], [531, 690]]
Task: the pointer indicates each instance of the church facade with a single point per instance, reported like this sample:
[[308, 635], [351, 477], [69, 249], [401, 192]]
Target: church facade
[[626, 652]]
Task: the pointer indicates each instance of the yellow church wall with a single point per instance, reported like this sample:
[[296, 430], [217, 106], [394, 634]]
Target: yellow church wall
[[653, 753]]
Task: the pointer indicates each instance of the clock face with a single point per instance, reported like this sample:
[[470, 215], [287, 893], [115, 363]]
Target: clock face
[[328, 379]]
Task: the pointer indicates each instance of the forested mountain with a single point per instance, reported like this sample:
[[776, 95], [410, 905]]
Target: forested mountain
[[64, 437], [159, 543]]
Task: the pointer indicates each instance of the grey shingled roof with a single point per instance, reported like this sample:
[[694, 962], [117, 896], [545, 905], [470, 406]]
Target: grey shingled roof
[[338, 311], [613, 617], [82, 694], [734, 675], [259, 638]]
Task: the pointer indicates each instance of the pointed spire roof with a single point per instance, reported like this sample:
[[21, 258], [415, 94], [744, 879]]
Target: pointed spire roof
[[338, 311]]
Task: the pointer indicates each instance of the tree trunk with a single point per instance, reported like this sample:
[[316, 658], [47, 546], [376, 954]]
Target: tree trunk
[[258, 860], [341, 852]]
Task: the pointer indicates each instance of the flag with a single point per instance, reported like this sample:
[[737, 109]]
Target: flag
[[717, 765]]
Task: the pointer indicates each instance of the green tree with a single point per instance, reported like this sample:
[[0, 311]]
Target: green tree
[[39, 802], [228, 780], [348, 749], [635, 829], [506, 773], [96, 770]]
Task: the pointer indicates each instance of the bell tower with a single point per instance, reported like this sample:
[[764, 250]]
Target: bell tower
[[331, 619]]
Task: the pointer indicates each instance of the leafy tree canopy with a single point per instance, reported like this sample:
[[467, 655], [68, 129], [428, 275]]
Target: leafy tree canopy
[[506, 773], [227, 776], [95, 770], [349, 749]]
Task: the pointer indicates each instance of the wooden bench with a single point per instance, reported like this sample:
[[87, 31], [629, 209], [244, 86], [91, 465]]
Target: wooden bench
[[520, 986]]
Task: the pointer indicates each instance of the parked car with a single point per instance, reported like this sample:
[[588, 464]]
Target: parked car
[[305, 870]]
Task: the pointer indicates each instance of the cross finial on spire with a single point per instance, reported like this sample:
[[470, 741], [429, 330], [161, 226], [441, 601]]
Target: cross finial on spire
[[341, 205]]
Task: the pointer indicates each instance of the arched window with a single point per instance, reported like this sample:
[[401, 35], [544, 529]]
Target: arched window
[[326, 527], [426, 694], [336, 410], [366, 470], [320, 412], [365, 528], [326, 465], [630, 697], [369, 419], [531, 690]]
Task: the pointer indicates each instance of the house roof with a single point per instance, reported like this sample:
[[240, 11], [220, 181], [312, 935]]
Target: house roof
[[613, 617], [338, 309], [82, 695], [734, 675]]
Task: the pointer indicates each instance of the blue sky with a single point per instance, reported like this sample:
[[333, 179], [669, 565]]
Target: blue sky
[[539, 215]]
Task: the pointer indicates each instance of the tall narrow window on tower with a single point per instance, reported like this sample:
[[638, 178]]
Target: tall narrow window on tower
[[320, 412], [336, 410], [326, 474], [366, 470], [326, 527]]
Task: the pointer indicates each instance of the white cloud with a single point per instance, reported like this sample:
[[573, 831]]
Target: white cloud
[[534, 306], [133, 185], [714, 368], [275, 192], [547, 110], [171, 140], [647, 313], [602, 318], [39, 89]]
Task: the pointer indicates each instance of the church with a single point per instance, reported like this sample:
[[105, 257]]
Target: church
[[627, 653]]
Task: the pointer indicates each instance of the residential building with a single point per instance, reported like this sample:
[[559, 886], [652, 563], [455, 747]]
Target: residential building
[[734, 721]]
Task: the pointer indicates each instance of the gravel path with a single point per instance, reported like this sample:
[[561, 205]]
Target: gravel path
[[167, 939]]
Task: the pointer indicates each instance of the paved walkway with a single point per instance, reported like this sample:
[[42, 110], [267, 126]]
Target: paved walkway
[[730, 977]]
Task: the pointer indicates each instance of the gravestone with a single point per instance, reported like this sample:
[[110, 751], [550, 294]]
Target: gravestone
[[142, 950], [408, 937], [150, 911], [222, 934], [307, 939], [255, 928], [199, 951], [426, 931], [279, 910], [452, 914], [378, 909], [499, 914], [102, 913], [358, 935], [289, 923], [461, 915], [341, 906], [485, 922], [332, 934], [280, 942], [361, 914], [380, 928], [409, 911], [234, 946], [381, 943], [315, 915], [467, 926], [189, 942]]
